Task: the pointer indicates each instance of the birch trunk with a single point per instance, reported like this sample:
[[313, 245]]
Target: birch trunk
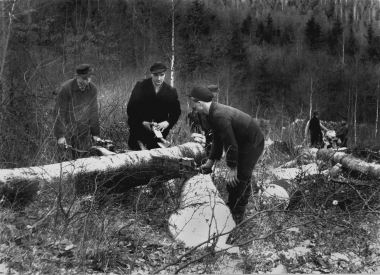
[[355, 112], [377, 112], [202, 214], [350, 162], [173, 49], [311, 97], [119, 171]]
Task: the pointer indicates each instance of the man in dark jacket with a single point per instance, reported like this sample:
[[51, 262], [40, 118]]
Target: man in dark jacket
[[153, 103], [342, 133], [314, 126], [76, 112], [243, 141]]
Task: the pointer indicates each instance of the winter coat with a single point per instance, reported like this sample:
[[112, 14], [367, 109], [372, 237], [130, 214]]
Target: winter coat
[[76, 111], [145, 105]]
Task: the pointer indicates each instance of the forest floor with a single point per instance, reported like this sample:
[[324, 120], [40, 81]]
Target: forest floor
[[333, 228]]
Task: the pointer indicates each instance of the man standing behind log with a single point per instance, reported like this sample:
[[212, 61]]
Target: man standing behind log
[[76, 112], [243, 141], [342, 133], [153, 103], [314, 126]]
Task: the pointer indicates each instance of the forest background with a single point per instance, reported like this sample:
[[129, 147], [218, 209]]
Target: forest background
[[274, 59]]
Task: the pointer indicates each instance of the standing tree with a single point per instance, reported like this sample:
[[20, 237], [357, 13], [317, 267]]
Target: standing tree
[[313, 34]]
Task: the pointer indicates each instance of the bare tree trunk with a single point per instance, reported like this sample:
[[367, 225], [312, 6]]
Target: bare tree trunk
[[377, 111], [119, 171], [311, 97], [355, 113], [4, 43], [173, 48], [343, 53]]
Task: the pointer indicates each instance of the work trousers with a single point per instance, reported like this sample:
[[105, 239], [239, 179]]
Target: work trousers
[[316, 139], [247, 158]]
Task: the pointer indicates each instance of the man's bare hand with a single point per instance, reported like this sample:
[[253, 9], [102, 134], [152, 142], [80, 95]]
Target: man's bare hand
[[232, 179], [61, 142], [161, 126]]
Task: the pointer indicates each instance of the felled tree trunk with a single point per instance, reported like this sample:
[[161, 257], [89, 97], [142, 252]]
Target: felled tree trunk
[[120, 171], [350, 162], [202, 214]]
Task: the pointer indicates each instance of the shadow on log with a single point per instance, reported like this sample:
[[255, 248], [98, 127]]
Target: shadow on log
[[120, 172]]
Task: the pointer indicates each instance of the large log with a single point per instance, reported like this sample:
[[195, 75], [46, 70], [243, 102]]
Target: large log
[[120, 171], [350, 162], [202, 215]]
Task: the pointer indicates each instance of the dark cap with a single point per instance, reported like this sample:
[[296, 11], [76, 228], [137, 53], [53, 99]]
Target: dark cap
[[84, 70], [201, 93], [158, 68], [213, 88]]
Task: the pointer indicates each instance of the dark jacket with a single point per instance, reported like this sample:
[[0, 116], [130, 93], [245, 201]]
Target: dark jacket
[[76, 111], [342, 133], [315, 126], [145, 105], [231, 128]]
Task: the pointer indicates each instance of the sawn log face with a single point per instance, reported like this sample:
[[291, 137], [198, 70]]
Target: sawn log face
[[121, 171]]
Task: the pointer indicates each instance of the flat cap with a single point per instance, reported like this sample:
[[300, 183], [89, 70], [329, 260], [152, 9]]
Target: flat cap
[[84, 70], [200, 93], [213, 88], [158, 67]]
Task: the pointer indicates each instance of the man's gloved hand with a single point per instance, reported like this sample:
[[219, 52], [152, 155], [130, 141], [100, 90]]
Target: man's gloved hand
[[61, 142], [232, 179]]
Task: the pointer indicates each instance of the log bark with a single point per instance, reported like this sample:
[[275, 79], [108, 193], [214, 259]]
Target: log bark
[[120, 172], [350, 162], [202, 215]]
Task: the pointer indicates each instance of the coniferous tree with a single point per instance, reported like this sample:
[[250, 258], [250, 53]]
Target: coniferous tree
[[313, 33], [260, 32], [269, 30], [351, 47]]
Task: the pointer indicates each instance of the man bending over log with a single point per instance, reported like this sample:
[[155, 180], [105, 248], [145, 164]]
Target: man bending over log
[[76, 114], [153, 103], [243, 141]]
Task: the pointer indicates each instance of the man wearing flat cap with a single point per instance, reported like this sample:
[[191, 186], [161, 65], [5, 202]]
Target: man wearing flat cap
[[243, 142], [206, 128], [76, 116], [153, 104]]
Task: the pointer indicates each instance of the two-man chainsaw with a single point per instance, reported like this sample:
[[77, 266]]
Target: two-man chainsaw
[[102, 147]]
